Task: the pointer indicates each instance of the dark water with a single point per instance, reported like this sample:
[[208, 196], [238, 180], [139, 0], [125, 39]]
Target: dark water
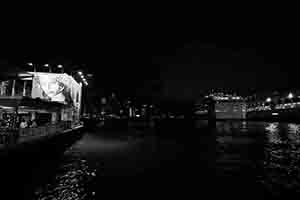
[[235, 159], [266, 153]]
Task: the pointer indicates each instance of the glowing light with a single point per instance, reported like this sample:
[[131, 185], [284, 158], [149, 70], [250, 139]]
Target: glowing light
[[268, 99], [275, 114], [30, 64], [59, 66], [273, 135], [46, 65], [294, 128], [80, 73], [290, 96]]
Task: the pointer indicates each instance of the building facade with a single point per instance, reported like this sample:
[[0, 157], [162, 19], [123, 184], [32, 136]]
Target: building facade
[[44, 97], [226, 106]]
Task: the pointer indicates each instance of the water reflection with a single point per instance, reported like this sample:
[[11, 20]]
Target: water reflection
[[258, 154], [269, 151], [281, 163], [294, 133], [273, 133], [72, 180]]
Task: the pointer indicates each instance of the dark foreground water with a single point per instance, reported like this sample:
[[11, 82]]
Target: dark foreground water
[[234, 159]]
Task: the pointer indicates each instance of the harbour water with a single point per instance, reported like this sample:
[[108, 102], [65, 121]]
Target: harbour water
[[234, 159]]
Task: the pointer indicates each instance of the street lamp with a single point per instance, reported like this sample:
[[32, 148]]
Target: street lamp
[[268, 99], [290, 96], [47, 65], [31, 65], [61, 67]]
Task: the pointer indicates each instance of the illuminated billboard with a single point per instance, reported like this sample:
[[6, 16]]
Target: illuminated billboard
[[56, 87]]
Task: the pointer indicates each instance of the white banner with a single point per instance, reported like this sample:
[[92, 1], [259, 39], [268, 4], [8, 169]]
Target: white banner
[[56, 87]]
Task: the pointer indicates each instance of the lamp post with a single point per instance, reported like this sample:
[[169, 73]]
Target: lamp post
[[32, 65], [290, 96], [61, 67], [268, 100], [47, 65]]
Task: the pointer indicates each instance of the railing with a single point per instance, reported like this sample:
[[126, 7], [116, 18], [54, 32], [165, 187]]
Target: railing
[[8, 135], [277, 107], [11, 136]]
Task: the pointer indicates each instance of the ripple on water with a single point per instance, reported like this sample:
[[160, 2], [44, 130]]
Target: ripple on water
[[278, 170], [72, 180]]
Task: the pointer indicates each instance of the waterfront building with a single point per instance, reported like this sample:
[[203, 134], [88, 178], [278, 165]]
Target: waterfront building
[[283, 105], [229, 106], [226, 106], [43, 97]]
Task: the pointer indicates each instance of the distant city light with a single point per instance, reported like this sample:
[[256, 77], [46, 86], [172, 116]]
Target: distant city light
[[46, 65], [30, 64], [290, 96], [80, 73], [59, 66], [274, 113], [268, 99]]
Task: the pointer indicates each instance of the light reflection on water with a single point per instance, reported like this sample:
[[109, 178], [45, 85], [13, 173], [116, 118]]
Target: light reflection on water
[[273, 152], [282, 161], [269, 153], [72, 180]]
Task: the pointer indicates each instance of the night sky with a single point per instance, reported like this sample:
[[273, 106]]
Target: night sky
[[166, 61]]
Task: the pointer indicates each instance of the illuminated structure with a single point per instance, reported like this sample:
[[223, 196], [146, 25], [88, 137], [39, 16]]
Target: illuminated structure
[[45, 97], [275, 106], [225, 106], [229, 106]]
